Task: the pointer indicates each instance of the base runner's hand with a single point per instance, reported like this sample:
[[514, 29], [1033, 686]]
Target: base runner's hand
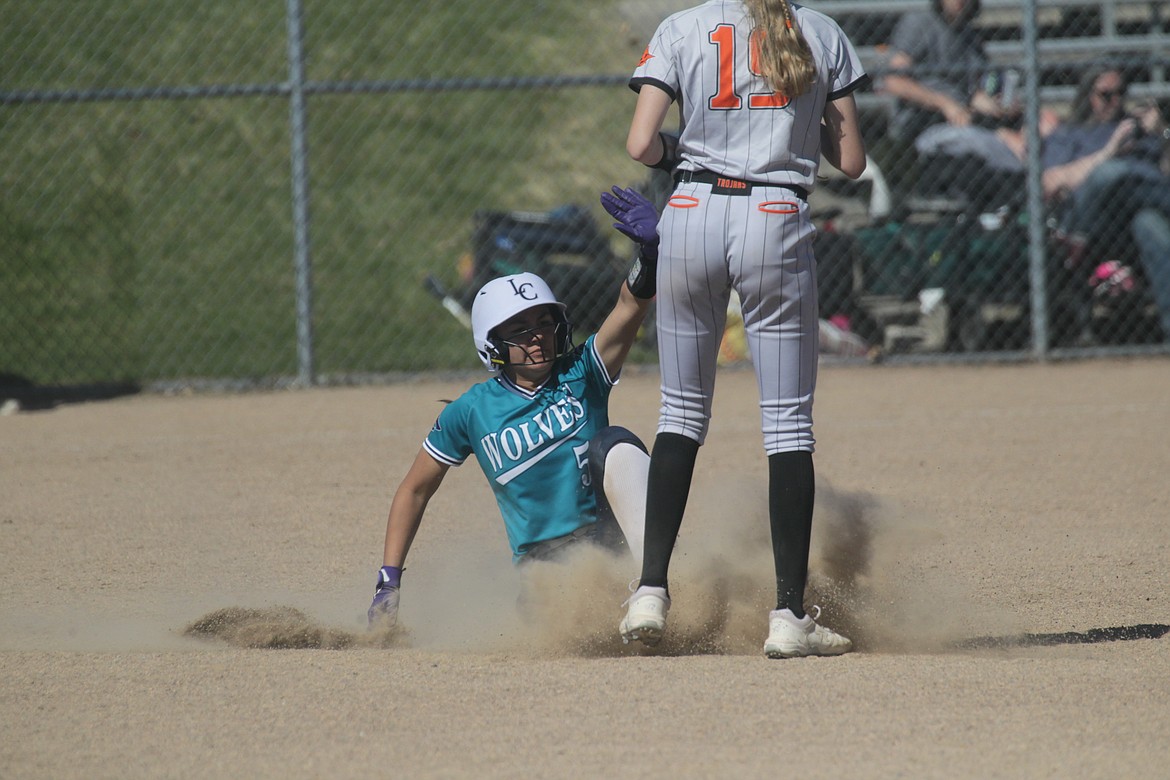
[[383, 612], [637, 217]]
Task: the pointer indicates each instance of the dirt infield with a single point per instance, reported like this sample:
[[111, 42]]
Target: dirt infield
[[185, 582]]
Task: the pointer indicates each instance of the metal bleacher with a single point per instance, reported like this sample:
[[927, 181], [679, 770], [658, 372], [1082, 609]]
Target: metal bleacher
[[1135, 34]]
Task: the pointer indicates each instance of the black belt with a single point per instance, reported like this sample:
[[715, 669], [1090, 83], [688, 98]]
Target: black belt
[[726, 185]]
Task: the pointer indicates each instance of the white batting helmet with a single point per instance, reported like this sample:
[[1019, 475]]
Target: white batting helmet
[[501, 299]]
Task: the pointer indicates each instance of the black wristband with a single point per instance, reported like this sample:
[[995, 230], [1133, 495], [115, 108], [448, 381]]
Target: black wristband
[[641, 279], [669, 159]]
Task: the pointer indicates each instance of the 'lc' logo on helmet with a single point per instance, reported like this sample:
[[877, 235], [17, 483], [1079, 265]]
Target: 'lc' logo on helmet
[[523, 290]]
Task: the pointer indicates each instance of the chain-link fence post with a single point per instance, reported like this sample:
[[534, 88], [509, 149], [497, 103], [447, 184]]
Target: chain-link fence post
[[299, 157], [1037, 257]]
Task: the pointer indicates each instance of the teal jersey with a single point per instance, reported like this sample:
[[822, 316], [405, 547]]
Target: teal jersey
[[533, 446]]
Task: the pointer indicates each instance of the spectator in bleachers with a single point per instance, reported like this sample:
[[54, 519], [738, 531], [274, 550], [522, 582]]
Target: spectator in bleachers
[[938, 71], [1105, 172]]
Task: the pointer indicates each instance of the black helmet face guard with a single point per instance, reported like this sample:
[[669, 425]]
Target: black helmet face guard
[[563, 340]]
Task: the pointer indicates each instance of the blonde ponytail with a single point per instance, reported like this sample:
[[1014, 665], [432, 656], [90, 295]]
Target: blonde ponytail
[[785, 58]]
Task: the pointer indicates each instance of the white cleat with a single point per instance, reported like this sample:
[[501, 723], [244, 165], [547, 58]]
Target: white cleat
[[792, 637], [645, 620]]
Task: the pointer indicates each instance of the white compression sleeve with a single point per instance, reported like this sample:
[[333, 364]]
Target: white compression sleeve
[[626, 468]]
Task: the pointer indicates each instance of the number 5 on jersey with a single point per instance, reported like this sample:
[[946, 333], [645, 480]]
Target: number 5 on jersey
[[582, 453]]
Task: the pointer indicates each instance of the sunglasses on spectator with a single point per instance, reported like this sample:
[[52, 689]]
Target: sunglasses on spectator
[[1109, 94]]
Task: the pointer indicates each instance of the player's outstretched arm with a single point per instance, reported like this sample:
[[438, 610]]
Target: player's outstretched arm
[[841, 143], [410, 501], [406, 512], [638, 220], [617, 333]]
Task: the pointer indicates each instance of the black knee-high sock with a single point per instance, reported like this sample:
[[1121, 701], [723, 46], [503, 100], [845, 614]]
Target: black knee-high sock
[[791, 495], [672, 464]]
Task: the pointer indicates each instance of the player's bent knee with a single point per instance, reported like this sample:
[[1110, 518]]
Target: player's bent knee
[[621, 490], [605, 440]]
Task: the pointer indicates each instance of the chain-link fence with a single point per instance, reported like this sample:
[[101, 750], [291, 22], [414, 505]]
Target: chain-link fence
[[282, 191], [1005, 213]]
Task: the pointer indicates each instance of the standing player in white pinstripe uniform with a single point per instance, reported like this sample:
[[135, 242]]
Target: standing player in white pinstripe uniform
[[765, 91]]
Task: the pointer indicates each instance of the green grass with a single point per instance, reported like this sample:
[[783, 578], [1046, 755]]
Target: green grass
[[153, 240]]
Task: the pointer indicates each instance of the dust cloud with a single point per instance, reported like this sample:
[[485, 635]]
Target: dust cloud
[[867, 574], [284, 628]]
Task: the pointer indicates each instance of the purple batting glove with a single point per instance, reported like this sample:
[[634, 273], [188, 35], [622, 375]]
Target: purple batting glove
[[637, 217], [383, 613]]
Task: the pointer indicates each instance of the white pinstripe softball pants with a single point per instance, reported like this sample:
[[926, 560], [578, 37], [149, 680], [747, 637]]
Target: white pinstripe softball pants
[[760, 244]]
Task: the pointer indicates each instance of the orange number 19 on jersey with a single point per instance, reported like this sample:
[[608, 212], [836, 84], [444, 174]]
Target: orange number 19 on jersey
[[723, 36]]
